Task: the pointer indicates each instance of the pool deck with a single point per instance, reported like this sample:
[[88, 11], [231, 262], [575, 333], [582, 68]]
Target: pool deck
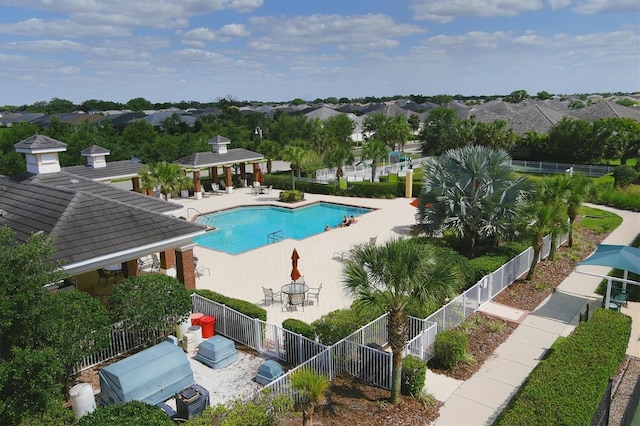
[[243, 275]]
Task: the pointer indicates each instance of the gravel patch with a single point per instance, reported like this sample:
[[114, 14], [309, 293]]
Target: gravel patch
[[231, 382], [624, 385]]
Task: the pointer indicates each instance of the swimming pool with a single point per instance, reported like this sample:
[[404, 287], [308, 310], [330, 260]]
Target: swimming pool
[[242, 229]]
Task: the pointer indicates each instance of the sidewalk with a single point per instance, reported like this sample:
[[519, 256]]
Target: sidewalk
[[479, 400]]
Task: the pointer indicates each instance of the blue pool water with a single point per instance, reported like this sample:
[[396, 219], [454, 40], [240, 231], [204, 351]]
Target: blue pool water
[[247, 228]]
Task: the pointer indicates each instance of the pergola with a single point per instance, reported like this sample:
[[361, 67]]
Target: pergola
[[220, 156], [625, 258]]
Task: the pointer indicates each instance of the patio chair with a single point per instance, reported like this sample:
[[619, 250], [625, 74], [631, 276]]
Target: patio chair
[[103, 275], [315, 293], [270, 294], [296, 299]]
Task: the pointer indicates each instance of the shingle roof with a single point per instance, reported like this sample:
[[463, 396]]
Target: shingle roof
[[74, 182], [114, 170], [210, 159], [39, 142], [85, 226]]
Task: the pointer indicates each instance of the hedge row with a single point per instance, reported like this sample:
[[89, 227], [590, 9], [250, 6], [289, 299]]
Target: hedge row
[[566, 388], [247, 308]]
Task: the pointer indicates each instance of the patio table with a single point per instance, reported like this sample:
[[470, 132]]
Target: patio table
[[294, 288]]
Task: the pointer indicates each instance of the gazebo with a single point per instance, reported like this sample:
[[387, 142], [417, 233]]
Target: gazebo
[[625, 258], [220, 156]]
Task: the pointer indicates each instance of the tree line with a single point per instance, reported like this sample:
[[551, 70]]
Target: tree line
[[310, 144]]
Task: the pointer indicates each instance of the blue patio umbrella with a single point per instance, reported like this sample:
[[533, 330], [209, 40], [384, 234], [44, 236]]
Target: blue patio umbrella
[[625, 258]]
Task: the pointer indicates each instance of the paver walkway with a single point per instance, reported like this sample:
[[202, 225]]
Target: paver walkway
[[479, 400]]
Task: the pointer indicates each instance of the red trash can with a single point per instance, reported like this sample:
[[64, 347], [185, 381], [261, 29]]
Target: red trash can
[[207, 323], [196, 317]]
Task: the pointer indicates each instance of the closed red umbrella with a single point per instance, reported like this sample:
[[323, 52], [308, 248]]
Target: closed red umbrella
[[415, 202], [295, 274]]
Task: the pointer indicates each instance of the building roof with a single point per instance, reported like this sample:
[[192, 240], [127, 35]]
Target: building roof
[[87, 229], [211, 159], [74, 182], [114, 170]]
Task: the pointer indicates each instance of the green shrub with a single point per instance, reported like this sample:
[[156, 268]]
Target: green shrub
[[338, 324], [263, 410], [485, 265], [291, 195], [627, 198], [450, 347], [624, 176], [299, 327], [566, 387], [247, 308], [414, 374], [131, 413]]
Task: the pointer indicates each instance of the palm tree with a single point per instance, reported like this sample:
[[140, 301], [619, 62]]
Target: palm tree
[[375, 150], [580, 187], [538, 219], [312, 387], [471, 191], [168, 177], [337, 157], [555, 191], [390, 276], [294, 155]]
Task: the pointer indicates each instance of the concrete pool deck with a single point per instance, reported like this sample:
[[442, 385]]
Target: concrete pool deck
[[243, 276]]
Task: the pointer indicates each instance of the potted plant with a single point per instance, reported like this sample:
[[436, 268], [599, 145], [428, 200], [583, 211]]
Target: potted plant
[[186, 184]]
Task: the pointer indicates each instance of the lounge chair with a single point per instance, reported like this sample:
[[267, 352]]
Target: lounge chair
[[270, 294], [215, 189]]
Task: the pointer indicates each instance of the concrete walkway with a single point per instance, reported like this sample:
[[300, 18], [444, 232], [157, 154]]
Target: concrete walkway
[[479, 400]]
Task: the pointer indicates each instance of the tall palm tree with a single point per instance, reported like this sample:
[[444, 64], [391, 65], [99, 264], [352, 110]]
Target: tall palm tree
[[375, 150], [471, 191], [294, 155], [555, 191], [312, 387], [580, 187], [537, 220], [390, 276]]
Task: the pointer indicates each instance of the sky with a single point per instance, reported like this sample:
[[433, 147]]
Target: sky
[[280, 50]]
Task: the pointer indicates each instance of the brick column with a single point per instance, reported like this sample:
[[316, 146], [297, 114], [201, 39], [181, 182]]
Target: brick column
[[167, 259], [213, 172], [243, 171], [227, 179], [135, 181], [197, 191], [185, 266]]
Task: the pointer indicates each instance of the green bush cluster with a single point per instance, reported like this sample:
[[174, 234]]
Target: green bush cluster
[[486, 264], [291, 195], [131, 413], [450, 347], [299, 327], [624, 176], [621, 198], [414, 374], [264, 410], [372, 189], [247, 308], [566, 387], [338, 324]]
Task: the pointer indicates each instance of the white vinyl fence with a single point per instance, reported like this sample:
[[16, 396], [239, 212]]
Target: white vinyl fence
[[358, 354]]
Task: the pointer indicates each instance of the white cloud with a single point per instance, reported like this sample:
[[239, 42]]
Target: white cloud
[[607, 6], [348, 33], [198, 36], [35, 27], [444, 11], [45, 46], [559, 4]]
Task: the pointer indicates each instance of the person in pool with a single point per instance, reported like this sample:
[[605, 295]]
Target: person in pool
[[327, 228], [345, 222]]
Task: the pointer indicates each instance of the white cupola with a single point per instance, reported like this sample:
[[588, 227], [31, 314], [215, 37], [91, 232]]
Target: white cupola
[[41, 153], [96, 156], [219, 144]]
